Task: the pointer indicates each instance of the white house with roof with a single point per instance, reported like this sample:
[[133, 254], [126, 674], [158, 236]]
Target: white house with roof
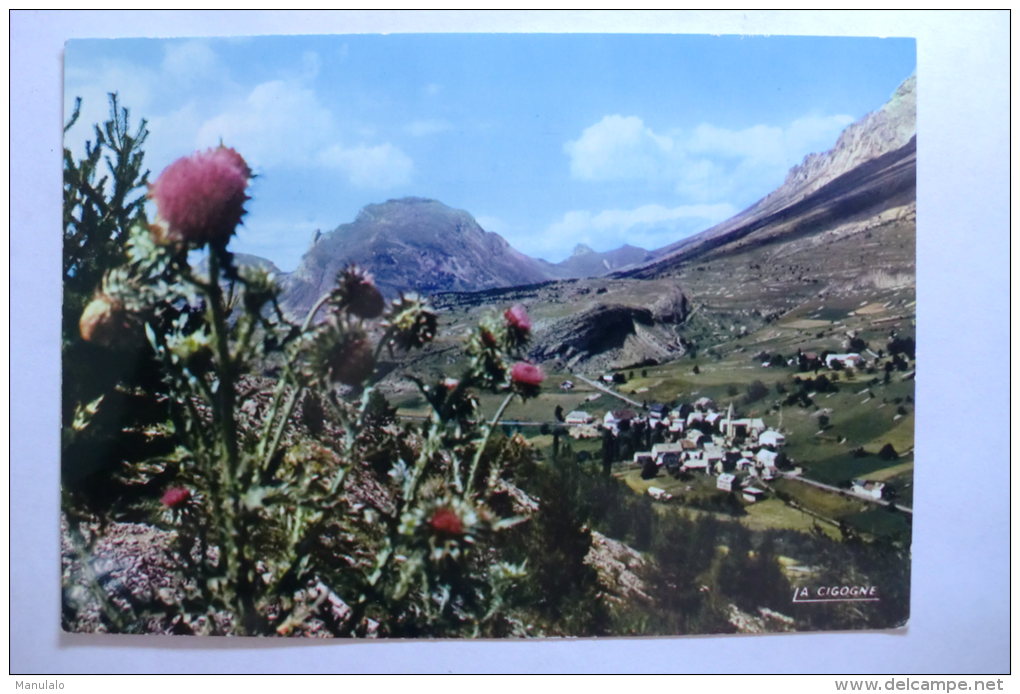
[[579, 417], [704, 404], [695, 436], [766, 458], [614, 418], [752, 494], [745, 427], [867, 488], [641, 457], [851, 359], [771, 437], [726, 482], [713, 453], [695, 463], [661, 451]]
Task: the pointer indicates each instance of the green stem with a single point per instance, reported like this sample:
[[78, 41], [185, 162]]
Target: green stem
[[245, 339], [235, 535], [485, 441], [269, 443]]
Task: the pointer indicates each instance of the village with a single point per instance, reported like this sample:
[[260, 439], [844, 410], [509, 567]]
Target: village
[[694, 438], [743, 454]]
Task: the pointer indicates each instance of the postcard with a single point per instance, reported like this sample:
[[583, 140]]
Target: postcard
[[488, 335]]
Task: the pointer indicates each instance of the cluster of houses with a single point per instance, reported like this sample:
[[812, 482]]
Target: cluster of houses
[[695, 438]]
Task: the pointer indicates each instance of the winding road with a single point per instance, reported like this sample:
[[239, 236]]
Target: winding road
[[844, 492], [599, 386]]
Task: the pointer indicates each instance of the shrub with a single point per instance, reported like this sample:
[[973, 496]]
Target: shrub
[[887, 452], [755, 392], [649, 470]]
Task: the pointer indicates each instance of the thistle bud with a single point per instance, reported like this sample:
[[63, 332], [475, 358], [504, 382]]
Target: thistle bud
[[413, 323], [351, 361], [105, 322], [356, 292]]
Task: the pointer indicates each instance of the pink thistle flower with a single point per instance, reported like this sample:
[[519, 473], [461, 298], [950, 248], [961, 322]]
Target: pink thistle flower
[[526, 378], [526, 374], [445, 521], [175, 496], [201, 197], [517, 318], [518, 326]]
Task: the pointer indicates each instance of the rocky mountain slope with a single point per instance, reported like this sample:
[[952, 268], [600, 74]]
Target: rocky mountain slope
[[871, 166], [415, 244], [587, 262], [411, 244]]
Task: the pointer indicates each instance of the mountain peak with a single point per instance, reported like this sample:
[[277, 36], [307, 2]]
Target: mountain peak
[[412, 244], [581, 249], [879, 132], [401, 206]]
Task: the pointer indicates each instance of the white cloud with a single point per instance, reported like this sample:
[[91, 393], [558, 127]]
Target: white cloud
[[281, 123], [190, 62], [620, 148], [707, 162], [648, 226], [165, 95], [379, 166], [277, 124]]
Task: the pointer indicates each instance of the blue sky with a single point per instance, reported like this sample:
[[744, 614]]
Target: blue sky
[[548, 139]]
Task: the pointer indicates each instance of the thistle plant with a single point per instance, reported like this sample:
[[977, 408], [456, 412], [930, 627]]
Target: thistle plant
[[298, 503]]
